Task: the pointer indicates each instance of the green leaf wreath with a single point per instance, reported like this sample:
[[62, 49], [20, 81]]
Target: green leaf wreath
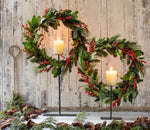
[[127, 89], [85, 52], [33, 40]]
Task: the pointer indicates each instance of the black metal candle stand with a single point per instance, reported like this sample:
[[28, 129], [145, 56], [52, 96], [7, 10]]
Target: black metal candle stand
[[59, 113], [111, 117]]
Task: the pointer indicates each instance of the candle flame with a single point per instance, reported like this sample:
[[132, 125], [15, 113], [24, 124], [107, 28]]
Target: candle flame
[[58, 38], [110, 68]]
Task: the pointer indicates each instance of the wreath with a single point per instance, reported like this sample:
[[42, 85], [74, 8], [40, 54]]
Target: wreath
[[127, 89], [33, 40], [85, 52]]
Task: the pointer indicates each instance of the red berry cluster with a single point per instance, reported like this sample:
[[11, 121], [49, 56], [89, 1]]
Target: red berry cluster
[[125, 87], [69, 59], [91, 48], [87, 62], [92, 94], [86, 79], [115, 44], [64, 18], [142, 61], [42, 38], [25, 51], [83, 25], [29, 33], [62, 56], [134, 79], [45, 62], [45, 12], [114, 103], [46, 69], [130, 53]]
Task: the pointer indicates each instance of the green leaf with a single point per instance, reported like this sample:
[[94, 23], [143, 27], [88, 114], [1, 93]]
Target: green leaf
[[107, 46], [36, 21], [109, 101], [54, 71], [120, 45], [75, 14], [75, 34]]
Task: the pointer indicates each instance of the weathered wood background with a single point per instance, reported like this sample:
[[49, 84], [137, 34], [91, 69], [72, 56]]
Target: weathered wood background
[[130, 18]]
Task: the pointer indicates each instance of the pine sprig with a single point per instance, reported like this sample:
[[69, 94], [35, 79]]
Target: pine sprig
[[81, 117], [49, 122]]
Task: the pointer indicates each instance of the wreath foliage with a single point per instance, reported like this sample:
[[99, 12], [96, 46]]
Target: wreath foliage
[[127, 89], [33, 40], [87, 53]]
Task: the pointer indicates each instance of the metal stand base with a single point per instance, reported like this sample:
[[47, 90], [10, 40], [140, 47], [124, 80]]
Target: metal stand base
[[111, 118], [60, 114]]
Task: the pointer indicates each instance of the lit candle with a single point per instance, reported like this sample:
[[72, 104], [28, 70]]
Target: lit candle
[[111, 77], [58, 46]]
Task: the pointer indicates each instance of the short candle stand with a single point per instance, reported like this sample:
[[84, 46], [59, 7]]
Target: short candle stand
[[110, 118], [59, 90]]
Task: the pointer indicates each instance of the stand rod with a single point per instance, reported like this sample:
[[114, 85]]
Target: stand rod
[[59, 89], [111, 103], [59, 85]]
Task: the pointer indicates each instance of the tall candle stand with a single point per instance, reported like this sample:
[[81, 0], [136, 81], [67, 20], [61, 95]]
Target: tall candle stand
[[110, 118], [111, 79], [59, 84], [58, 52]]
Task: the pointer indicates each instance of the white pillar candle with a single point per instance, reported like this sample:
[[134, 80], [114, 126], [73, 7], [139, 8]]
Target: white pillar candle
[[111, 77], [58, 46]]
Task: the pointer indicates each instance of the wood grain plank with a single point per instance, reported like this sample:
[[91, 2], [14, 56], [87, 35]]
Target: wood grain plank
[[104, 33], [94, 22], [72, 81], [1, 56], [141, 35], [128, 32], [29, 77], [42, 87], [7, 59]]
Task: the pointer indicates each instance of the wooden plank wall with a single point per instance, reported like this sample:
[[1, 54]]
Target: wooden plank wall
[[105, 18]]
